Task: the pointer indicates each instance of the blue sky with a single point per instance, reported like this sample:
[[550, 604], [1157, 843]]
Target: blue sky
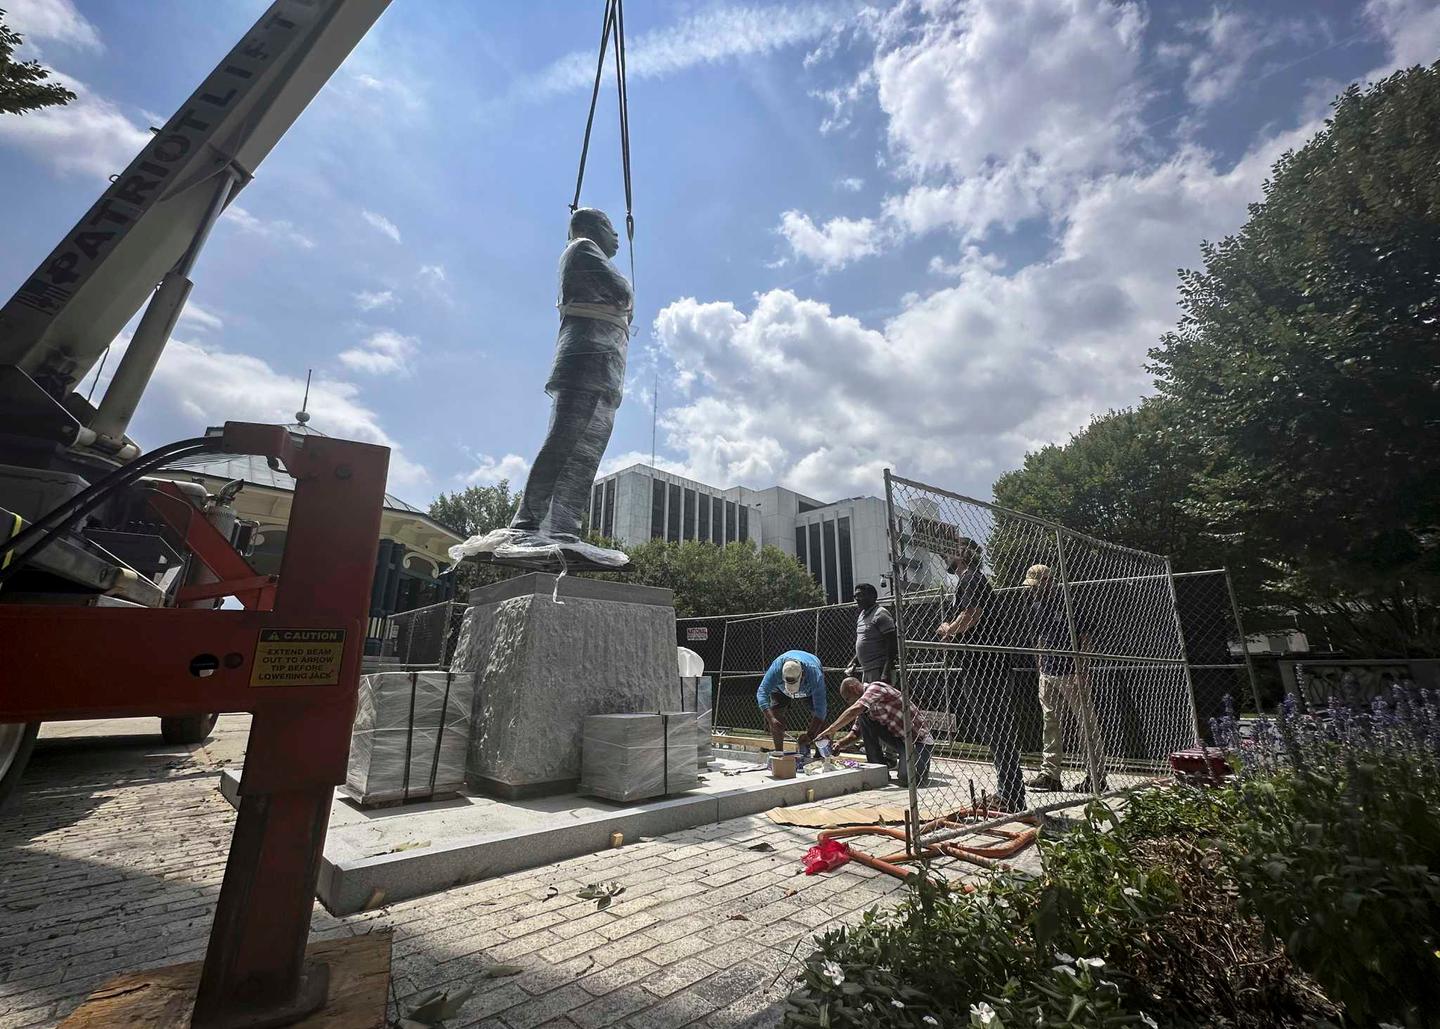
[[925, 235]]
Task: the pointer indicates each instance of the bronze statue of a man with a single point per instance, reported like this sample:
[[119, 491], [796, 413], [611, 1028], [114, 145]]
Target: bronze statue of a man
[[586, 384]]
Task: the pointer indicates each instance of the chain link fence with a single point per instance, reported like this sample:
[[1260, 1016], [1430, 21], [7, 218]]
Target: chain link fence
[[1049, 642], [737, 649], [416, 640]]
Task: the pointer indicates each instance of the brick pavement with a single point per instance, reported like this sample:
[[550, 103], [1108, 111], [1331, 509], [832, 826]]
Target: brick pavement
[[114, 858]]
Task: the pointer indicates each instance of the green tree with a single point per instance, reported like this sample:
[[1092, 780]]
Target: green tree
[[734, 579], [470, 512], [22, 83], [1306, 371], [1126, 478]]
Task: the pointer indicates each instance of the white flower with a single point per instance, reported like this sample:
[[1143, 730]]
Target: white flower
[[1060, 955], [897, 1003], [832, 971], [867, 1006], [1064, 968], [1148, 1020], [1092, 962], [930, 1020], [982, 1014], [1130, 891]]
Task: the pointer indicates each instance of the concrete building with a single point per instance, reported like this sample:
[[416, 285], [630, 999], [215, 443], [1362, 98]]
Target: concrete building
[[841, 542]]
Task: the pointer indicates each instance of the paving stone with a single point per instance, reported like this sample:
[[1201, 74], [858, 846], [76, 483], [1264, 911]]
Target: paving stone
[[611, 1008], [678, 976], [115, 855]]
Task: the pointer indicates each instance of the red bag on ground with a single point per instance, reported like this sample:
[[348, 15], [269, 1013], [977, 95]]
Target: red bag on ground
[[825, 856]]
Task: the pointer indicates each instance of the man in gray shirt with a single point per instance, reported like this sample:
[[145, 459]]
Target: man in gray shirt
[[876, 643]]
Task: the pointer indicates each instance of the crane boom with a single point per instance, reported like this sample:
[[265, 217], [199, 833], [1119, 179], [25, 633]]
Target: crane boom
[[63, 317]]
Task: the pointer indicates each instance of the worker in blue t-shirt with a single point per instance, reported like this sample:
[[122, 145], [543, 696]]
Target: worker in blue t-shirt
[[796, 676]]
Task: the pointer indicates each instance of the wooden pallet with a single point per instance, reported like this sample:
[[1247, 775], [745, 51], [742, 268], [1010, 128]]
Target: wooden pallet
[[162, 998]]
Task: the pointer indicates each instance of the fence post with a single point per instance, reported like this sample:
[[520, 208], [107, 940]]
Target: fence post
[[892, 532], [1184, 652], [1085, 716], [1244, 641]]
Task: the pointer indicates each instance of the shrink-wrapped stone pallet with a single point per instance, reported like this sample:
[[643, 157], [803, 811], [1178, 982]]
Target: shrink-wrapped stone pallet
[[411, 733], [628, 757]]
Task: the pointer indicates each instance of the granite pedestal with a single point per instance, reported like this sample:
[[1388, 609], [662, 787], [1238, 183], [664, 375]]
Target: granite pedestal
[[541, 667]]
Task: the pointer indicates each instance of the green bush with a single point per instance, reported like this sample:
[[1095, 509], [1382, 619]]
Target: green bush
[[1304, 893]]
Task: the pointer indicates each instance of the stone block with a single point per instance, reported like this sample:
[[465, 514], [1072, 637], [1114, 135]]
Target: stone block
[[638, 756], [546, 656]]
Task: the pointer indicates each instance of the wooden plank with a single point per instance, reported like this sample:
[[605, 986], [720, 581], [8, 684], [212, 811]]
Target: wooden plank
[[162, 998]]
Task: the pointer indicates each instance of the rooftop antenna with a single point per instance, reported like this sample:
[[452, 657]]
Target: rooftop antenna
[[302, 416]]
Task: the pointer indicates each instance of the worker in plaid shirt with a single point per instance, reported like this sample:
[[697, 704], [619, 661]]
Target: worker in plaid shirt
[[877, 706]]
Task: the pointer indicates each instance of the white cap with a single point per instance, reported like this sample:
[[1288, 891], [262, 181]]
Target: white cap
[[791, 672]]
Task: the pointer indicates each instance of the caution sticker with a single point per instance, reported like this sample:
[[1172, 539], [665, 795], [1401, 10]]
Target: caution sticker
[[298, 657]]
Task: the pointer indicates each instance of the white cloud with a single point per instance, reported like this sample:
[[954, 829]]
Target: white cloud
[[239, 387], [834, 244], [1229, 40], [1410, 27], [963, 380], [488, 471], [708, 37], [434, 280], [52, 21], [382, 224], [88, 136], [850, 185], [384, 92], [996, 111], [201, 318], [973, 205], [384, 352], [368, 300], [277, 230], [996, 80]]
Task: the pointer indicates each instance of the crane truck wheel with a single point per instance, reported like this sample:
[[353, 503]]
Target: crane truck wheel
[[189, 729], [17, 740]]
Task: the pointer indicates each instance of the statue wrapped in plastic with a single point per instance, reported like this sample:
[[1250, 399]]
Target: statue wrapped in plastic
[[586, 384]]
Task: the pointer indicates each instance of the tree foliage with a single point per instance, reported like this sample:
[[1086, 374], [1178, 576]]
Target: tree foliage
[[1306, 371], [1124, 478], [470, 512], [712, 580], [23, 85]]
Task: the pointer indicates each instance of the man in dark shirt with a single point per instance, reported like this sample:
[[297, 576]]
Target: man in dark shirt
[[1060, 677], [983, 679], [876, 642]]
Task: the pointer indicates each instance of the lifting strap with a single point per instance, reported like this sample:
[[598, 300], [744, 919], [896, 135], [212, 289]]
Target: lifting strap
[[613, 23]]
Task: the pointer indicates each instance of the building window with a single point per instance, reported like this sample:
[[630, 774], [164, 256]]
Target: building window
[[657, 509], [847, 562], [832, 581], [703, 532], [672, 516], [689, 514], [717, 520], [744, 522], [814, 562], [800, 545], [596, 504], [609, 520], [729, 521]]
